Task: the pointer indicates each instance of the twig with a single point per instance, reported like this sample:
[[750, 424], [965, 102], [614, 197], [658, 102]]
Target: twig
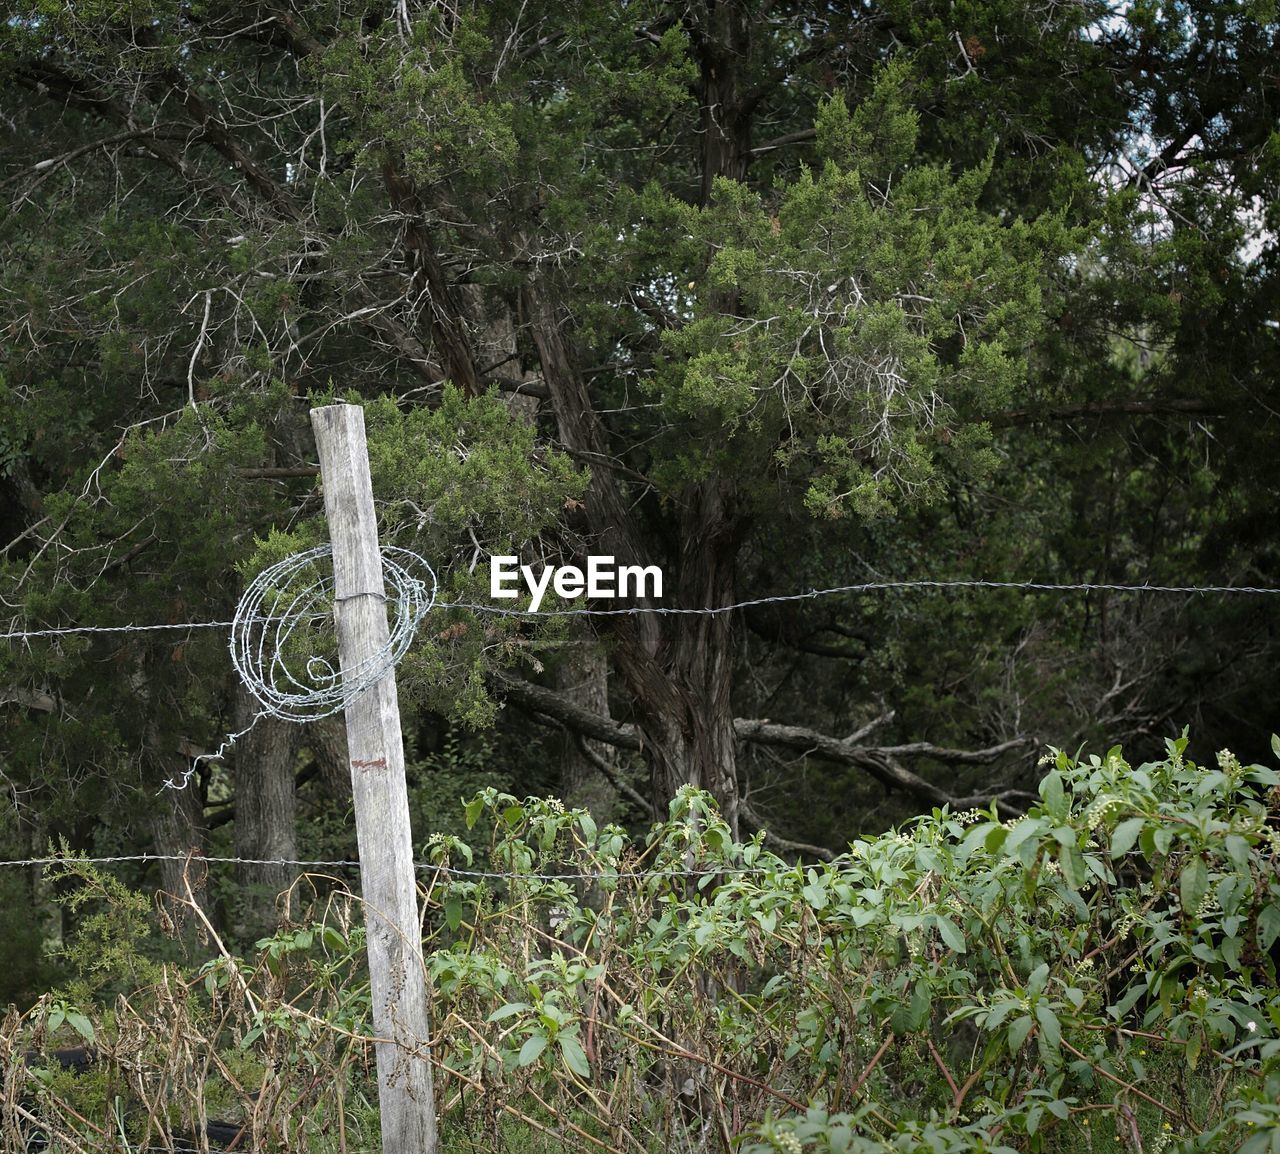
[[875, 1061], [1121, 1082], [195, 353]]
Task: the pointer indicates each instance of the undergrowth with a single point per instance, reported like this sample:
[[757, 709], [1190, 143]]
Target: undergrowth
[[1098, 974]]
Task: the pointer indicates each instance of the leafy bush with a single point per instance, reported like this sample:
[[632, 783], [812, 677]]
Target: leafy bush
[[1103, 964]]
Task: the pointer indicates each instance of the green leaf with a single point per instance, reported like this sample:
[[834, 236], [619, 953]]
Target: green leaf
[[1268, 925], [951, 934], [453, 912], [1018, 1032], [475, 807], [532, 1049], [815, 895], [912, 1014], [1050, 1029], [1052, 792], [989, 835], [1193, 884], [80, 1024], [1027, 828], [1195, 1044], [574, 1055], [1238, 851], [510, 1010], [1125, 834], [1073, 867]]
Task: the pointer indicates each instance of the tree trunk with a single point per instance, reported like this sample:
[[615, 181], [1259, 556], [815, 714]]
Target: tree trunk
[[682, 689], [327, 740], [676, 668], [430, 286], [722, 43], [177, 821], [266, 828], [584, 680]]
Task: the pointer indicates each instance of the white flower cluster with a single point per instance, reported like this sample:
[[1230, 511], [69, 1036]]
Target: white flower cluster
[[1096, 814], [788, 1143], [1210, 904]]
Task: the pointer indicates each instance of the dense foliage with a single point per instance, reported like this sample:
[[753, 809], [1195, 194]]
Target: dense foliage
[[777, 296], [1105, 965]]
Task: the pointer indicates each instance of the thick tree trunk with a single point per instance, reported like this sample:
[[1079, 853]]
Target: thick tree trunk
[[682, 690], [584, 680], [177, 821], [676, 668], [722, 41], [266, 816], [327, 740]]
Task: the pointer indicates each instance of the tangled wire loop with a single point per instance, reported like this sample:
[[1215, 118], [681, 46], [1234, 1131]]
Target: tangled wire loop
[[295, 592]]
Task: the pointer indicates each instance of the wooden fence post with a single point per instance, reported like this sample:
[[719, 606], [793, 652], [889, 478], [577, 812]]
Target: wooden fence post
[[376, 752]]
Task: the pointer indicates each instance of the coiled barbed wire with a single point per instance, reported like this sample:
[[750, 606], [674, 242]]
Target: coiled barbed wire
[[288, 595]]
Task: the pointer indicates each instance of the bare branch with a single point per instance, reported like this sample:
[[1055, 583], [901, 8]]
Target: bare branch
[[625, 788], [578, 718], [787, 138], [879, 763], [783, 843], [1169, 405]]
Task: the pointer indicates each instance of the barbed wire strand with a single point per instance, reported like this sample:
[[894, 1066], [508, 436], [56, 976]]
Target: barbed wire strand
[[288, 596], [667, 610], [183, 780], [488, 875]]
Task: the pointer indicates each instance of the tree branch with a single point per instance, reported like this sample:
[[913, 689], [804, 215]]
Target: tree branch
[[879, 762], [787, 138], [628, 791], [783, 843], [957, 756], [581, 720], [1171, 405], [280, 472]]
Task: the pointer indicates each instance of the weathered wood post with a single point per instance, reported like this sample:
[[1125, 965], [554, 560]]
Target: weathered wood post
[[376, 753]]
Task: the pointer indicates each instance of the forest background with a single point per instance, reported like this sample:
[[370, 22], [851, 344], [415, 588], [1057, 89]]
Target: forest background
[[777, 296]]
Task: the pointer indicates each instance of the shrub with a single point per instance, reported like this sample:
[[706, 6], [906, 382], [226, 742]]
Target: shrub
[[1104, 963]]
